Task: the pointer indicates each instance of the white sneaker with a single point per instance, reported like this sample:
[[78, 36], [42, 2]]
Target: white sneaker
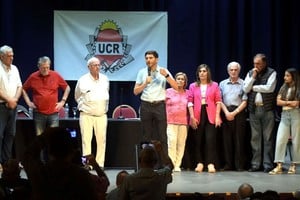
[[177, 169]]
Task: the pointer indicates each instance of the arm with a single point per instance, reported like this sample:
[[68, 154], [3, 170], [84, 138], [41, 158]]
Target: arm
[[169, 78], [12, 102], [281, 102], [138, 88], [64, 98], [248, 82], [102, 180], [267, 88], [27, 99]]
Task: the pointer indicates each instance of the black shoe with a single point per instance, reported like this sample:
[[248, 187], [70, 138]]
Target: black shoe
[[253, 169], [226, 168], [267, 170]]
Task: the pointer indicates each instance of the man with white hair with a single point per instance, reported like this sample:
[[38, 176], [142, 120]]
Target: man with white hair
[[10, 92], [92, 96], [234, 118]]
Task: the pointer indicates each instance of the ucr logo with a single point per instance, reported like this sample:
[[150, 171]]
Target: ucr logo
[[110, 46]]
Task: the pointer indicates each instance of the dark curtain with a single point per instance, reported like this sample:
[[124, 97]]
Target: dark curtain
[[214, 32]]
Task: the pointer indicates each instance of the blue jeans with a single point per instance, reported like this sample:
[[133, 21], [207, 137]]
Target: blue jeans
[[289, 126], [42, 121], [7, 132], [262, 137]]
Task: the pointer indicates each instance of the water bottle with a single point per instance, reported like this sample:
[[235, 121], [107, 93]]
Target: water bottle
[[30, 112], [66, 110]]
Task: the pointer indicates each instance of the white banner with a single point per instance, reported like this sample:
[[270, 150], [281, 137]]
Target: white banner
[[119, 39]]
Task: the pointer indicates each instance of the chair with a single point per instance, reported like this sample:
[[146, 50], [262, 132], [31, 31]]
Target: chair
[[123, 112], [22, 112]]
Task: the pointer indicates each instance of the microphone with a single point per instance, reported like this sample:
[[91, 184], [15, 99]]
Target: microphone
[[149, 71]]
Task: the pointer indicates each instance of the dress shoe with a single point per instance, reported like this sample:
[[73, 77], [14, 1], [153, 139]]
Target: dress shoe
[[226, 168], [253, 169], [267, 170]]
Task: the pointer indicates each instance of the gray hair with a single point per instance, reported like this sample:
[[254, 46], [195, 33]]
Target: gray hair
[[43, 59], [92, 59], [5, 49], [233, 63]]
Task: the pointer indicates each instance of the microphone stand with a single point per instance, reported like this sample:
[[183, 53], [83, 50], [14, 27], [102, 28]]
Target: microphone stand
[[121, 113]]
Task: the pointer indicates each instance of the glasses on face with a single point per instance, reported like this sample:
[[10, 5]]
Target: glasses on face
[[95, 65]]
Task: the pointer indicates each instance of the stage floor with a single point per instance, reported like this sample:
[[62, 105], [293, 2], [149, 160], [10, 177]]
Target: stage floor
[[226, 181], [221, 182]]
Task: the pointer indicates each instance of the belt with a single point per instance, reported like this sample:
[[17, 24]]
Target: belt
[[259, 104], [154, 102]]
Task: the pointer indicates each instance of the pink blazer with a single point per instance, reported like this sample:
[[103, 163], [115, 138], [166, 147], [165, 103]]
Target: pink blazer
[[213, 95]]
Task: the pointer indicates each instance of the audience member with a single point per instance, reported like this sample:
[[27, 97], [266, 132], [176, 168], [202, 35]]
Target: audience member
[[114, 194], [11, 184], [147, 183], [10, 92], [234, 118], [289, 127], [177, 119], [60, 177], [92, 96], [270, 195], [260, 83], [44, 85], [204, 104], [151, 84], [245, 191]]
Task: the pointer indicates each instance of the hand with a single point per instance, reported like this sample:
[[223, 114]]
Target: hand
[[157, 145], [90, 160], [255, 72], [218, 122], [194, 123], [163, 72], [230, 116], [148, 79], [12, 103]]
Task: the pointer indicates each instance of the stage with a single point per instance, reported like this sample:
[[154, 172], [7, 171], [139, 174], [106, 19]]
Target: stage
[[188, 183]]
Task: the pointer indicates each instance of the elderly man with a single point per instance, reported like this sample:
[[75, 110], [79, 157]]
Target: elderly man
[[44, 84], [234, 118], [10, 92], [92, 96], [260, 83]]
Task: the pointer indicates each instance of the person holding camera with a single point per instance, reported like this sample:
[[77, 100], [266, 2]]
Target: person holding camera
[[60, 177], [148, 183]]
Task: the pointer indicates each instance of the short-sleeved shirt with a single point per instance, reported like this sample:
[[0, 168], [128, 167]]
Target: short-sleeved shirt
[[156, 90], [45, 90], [232, 93], [9, 80]]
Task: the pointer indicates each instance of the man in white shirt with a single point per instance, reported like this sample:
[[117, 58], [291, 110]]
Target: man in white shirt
[[92, 96], [10, 92]]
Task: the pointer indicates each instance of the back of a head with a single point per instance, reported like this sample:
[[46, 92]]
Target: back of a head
[[270, 195], [148, 157], [120, 177], [60, 143], [245, 191]]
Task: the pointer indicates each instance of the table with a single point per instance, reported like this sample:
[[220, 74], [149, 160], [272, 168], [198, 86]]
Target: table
[[121, 139]]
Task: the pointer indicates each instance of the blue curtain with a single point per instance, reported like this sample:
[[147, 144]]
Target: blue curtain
[[214, 32]]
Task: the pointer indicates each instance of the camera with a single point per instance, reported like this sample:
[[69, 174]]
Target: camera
[[147, 144]]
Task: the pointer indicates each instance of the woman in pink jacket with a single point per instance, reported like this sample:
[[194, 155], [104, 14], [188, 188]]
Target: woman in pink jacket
[[204, 107]]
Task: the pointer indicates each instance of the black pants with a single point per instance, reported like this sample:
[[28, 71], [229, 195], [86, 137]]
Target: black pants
[[234, 133]]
